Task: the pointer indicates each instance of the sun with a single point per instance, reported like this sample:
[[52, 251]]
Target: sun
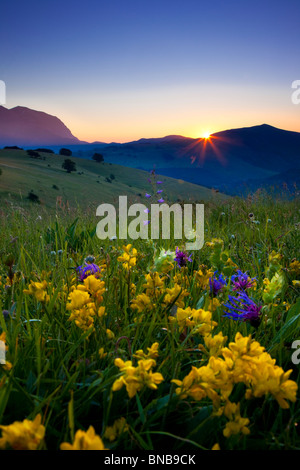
[[206, 135]]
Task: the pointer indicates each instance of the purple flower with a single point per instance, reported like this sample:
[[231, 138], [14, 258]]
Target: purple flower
[[243, 308], [182, 258], [146, 222], [216, 283], [241, 281], [147, 195], [159, 191], [87, 270], [159, 182], [161, 200], [147, 211]]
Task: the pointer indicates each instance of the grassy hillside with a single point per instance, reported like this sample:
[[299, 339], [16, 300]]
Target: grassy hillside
[[90, 185]]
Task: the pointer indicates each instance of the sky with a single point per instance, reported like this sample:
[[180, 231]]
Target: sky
[[118, 71]]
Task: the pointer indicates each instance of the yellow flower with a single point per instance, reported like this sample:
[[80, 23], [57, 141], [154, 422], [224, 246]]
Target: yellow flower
[[202, 277], [215, 343], [141, 303], [84, 317], [23, 435], [154, 284], [152, 352], [95, 287], [200, 320], [294, 266], [236, 423], [38, 290], [128, 258], [216, 447], [296, 283], [114, 431], [136, 378], [175, 295], [101, 353], [110, 334], [78, 298], [85, 440]]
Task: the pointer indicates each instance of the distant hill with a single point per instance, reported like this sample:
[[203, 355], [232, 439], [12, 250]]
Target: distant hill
[[229, 160], [25, 127], [90, 185]]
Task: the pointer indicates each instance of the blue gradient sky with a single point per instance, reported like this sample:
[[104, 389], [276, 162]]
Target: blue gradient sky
[[121, 70]]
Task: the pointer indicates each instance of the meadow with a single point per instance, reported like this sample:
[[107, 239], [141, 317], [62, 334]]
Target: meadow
[[138, 345]]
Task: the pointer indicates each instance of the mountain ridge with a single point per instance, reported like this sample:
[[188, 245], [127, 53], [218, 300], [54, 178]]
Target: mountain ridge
[[226, 160]]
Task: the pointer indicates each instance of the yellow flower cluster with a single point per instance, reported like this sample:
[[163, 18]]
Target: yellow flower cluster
[[38, 290], [244, 360], [198, 319], [236, 424], [136, 378], [128, 258], [84, 302], [113, 432], [85, 440], [154, 290], [23, 435]]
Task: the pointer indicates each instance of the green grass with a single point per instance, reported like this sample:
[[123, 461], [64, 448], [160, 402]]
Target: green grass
[[22, 174], [56, 367]]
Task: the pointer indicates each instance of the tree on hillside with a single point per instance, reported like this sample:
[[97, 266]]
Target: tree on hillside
[[98, 157], [69, 165], [65, 152]]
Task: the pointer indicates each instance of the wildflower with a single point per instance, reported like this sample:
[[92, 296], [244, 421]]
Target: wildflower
[[85, 271], [95, 287], [142, 302], [215, 343], [216, 447], [269, 378], [101, 353], [38, 290], [182, 258], [154, 285], [202, 277], [198, 319], [163, 262], [241, 281], [110, 334], [159, 182], [161, 200], [296, 283], [128, 257], [273, 287], [23, 435], [136, 378], [243, 308], [175, 295], [236, 423], [152, 352], [159, 191], [216, 284], [119, 427], [85, 440], [294, 266], [77, 299], [147, 195]]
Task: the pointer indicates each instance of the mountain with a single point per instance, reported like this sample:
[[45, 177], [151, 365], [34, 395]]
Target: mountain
[[232, 161], [226, 161], [22, 126]]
